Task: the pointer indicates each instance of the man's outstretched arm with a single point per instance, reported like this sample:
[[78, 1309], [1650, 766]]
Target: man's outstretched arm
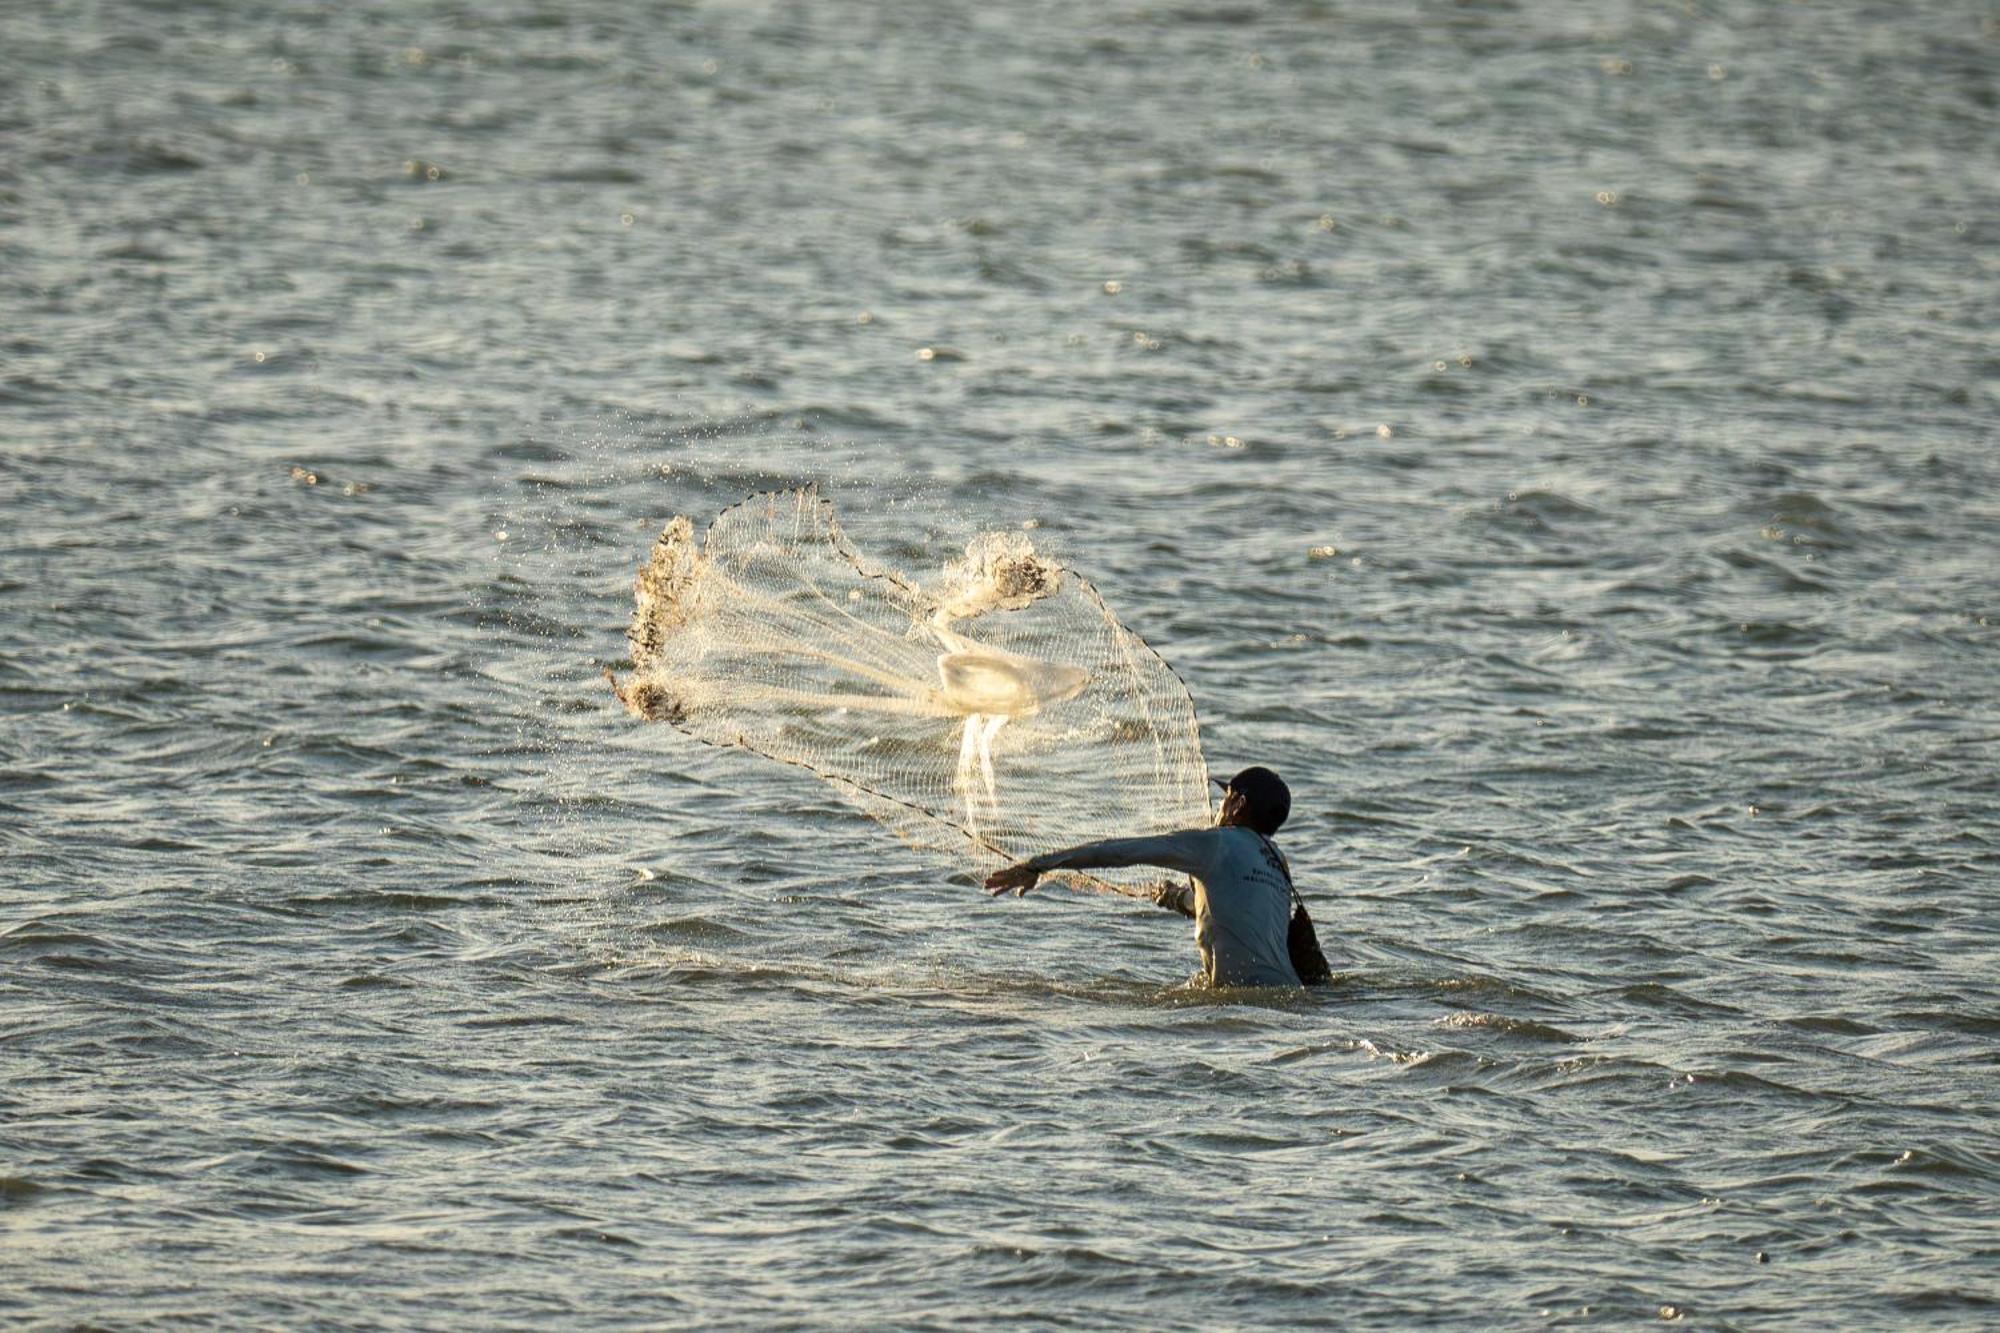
[[1187, 851]]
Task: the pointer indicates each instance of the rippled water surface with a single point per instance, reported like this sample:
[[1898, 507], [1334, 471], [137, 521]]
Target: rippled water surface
[[1558, 438]]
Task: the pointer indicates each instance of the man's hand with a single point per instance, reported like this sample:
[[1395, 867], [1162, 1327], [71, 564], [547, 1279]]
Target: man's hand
[[1019, 877], [1175, 897]]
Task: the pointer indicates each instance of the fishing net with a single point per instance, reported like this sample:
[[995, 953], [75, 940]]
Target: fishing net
[[995, 713]]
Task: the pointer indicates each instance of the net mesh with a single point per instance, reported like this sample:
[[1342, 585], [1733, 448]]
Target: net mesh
[[999, 712]]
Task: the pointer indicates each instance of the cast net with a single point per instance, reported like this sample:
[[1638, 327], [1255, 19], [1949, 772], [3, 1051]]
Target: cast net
[[998, 711]]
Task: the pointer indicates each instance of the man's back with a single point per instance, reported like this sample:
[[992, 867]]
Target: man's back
[[1242, 918], [1242, 899]]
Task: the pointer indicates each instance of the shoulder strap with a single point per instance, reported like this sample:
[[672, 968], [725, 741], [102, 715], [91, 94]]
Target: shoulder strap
[[1301, 940], [1278, 859]]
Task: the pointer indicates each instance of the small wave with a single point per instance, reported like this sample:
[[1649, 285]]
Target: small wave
[[694, 929], [606, 173], [41, 936], [1549, 506], [1783, 576], [1951, 1161], [1524, 1028], [1970, 1024], [1532, 514], [593, 1236], [1484, 985], [389, 899], [1807, 520], [299, 1161], [369, 981], [524, 1021], [144, 157], [1665, 999], [1774, 633], [1831, 1023]]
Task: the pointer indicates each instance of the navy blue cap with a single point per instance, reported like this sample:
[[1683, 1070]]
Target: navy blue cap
[[1265, 792]]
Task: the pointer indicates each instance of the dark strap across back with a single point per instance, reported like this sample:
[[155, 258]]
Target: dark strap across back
[[1301, 940]]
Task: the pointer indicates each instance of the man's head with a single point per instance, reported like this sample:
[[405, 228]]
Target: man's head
[[1256, 798]]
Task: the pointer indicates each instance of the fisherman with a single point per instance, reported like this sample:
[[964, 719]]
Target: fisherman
[[1250, 924]]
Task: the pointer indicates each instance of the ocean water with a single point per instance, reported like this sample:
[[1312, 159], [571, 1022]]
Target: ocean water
[[1559, 438]]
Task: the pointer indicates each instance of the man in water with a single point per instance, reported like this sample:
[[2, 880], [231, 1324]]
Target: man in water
[[1241, 899]]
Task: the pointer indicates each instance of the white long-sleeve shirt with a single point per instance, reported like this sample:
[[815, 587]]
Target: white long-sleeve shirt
[[1242, 897]]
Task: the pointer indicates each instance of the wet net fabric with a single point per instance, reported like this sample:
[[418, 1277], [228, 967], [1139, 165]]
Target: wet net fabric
[[992, 712]]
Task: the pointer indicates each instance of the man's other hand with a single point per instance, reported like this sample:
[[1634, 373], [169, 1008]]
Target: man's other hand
[[1019, 877]]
